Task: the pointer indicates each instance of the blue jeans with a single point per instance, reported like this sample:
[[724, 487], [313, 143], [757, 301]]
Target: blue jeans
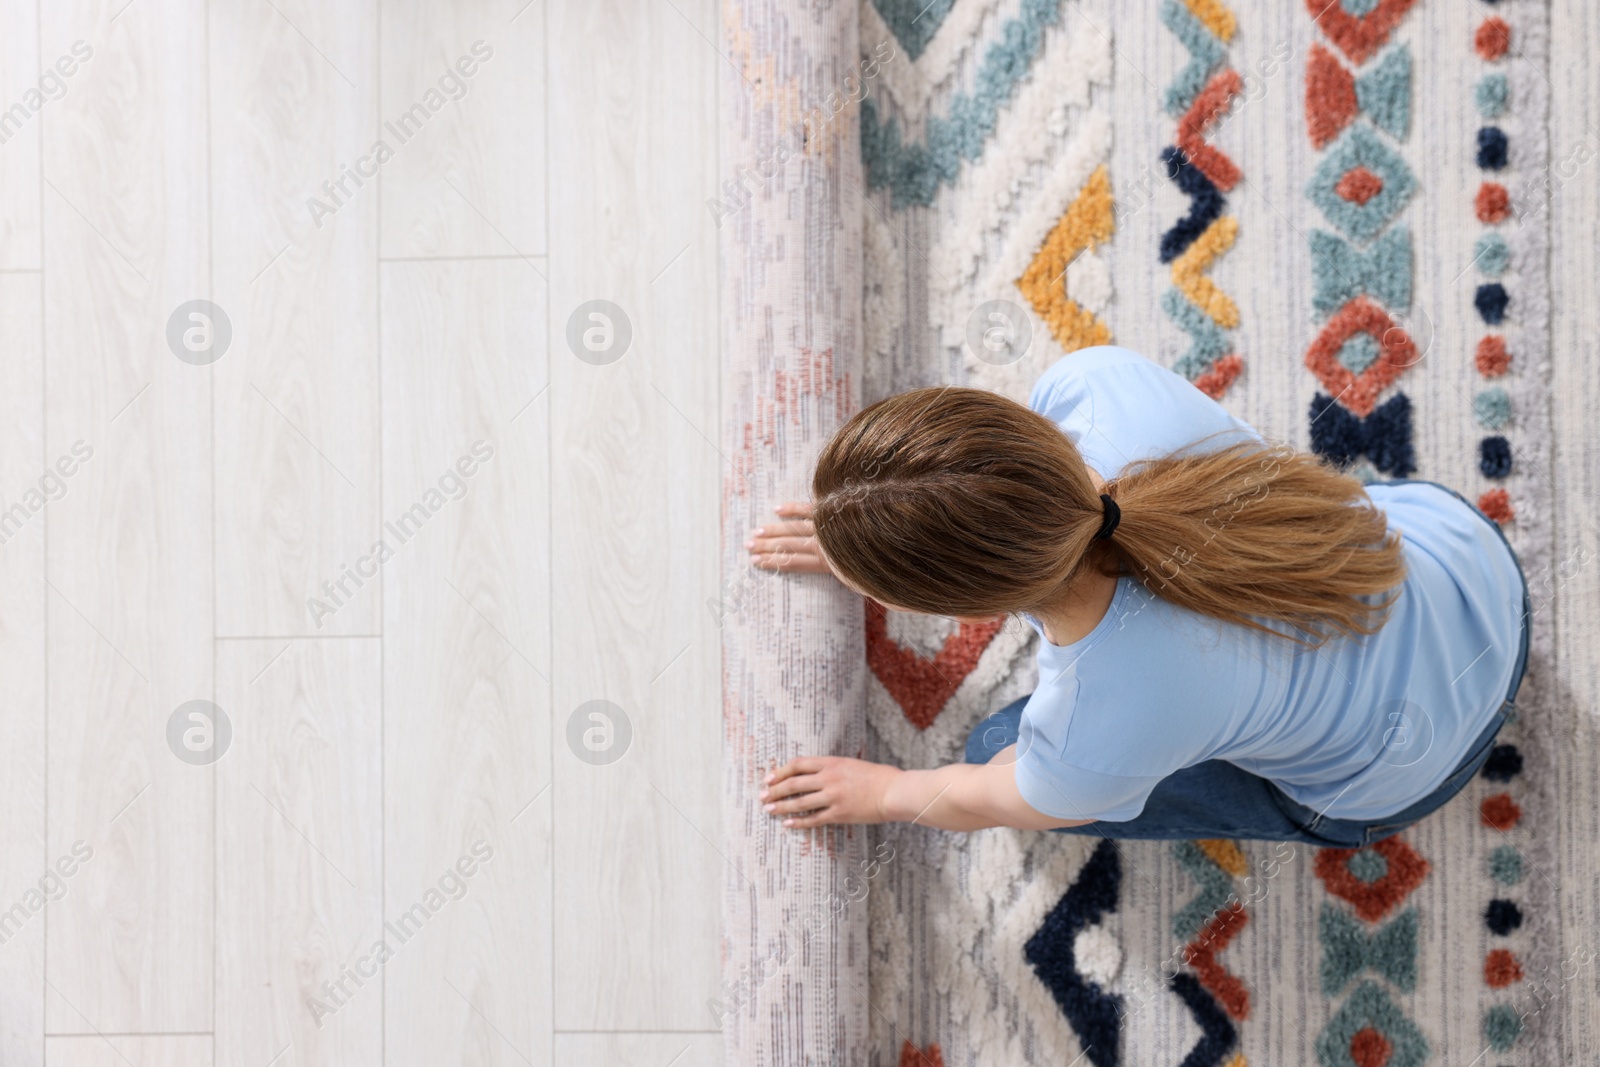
[[1218, 799]]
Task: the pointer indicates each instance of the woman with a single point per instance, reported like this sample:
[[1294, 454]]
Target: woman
[[1236, 640]]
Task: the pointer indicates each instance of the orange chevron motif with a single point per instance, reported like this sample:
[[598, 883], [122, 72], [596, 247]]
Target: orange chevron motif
[[1215, 381], [1089, 221], [1212, 103], [1201, 954]]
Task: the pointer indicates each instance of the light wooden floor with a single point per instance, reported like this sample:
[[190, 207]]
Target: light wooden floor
[[399, 771]]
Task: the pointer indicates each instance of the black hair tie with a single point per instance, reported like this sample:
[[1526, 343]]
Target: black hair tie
[[1113, 516]]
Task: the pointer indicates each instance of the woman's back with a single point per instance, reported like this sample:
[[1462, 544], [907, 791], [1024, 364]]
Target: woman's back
[[1356, 728]]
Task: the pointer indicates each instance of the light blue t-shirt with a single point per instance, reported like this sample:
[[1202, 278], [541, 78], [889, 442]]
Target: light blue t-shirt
[[1357, 729]]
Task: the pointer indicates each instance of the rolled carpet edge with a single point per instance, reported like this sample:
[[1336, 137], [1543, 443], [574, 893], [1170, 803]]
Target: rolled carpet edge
[[788, 209]]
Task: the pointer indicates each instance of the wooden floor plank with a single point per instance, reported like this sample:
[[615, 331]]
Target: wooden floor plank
[[464, 113], [299, 854], [639, 1050], [385, 405], [292, 106], [466, 662], [130, 549], [24, 99], [28, 482], [124, 1050], [636, 484]]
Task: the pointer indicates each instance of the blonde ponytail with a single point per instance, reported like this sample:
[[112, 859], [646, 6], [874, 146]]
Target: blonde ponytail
[[1248, 532]]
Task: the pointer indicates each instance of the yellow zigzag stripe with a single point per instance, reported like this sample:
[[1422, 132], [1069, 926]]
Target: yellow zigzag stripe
[[1215, 16], [1225, 854], [1090, 220], [1188, 272]]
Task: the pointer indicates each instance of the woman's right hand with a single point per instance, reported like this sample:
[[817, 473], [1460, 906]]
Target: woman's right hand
[[789, 545]]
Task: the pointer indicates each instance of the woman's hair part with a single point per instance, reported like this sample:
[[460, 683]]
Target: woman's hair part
[[961, 502]]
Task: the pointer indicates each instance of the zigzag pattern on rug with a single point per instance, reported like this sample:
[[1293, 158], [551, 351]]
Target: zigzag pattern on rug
[[1202, 172], [1215, 997], [1361, 186], [915, 172]]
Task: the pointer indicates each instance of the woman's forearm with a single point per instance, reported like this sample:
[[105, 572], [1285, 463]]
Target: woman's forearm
[[967, 796], [812, 791], [946, 798]]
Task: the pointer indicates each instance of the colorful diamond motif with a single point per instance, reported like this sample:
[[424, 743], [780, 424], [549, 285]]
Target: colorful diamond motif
[[1368, 865], [1360, 204], [1369, 1031], [1370, 1047], [1359, 353], [1358, 391], [1359, 35], [1372, 900], [1358, 186]]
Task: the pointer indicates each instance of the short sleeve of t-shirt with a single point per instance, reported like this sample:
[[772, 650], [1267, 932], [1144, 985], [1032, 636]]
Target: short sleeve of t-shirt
[[1068, 792], [1050, 773], [1117, 406]]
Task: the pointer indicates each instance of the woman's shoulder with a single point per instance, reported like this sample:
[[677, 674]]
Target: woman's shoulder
[[1118, 406], [1070, 374]]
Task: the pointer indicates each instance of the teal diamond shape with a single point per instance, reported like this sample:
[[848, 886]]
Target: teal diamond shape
[[1360, 147], [1370, 1006], [913, 22], [1359, 8], [1359, 352], [1367, 865]]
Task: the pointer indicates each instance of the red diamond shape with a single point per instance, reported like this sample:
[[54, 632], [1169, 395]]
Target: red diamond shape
[[1359, 37], [1396, 352], [1359, 185], [922, 686], [1368, 1048], [1373, 900]]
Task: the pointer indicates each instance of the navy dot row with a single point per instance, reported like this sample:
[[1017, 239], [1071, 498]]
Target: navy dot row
[[1491, 300]]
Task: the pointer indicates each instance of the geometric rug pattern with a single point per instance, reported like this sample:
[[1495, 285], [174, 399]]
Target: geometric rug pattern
[[1333, 216]]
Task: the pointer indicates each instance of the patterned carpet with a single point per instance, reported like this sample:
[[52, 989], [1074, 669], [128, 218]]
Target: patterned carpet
[[1335, 217]]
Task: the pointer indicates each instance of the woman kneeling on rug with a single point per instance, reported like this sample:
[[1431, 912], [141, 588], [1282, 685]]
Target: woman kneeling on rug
[[1236, 640]]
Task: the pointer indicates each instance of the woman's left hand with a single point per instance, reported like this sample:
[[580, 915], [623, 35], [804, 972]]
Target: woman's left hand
[[829, 789]]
